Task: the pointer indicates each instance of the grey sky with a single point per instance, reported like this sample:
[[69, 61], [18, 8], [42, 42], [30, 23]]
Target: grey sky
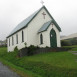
[[12, 12]]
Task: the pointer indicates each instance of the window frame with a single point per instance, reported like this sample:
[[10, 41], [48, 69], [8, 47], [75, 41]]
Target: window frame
[[9, 41], [41, 39], [16, 38], [12, 40], [22, 36]]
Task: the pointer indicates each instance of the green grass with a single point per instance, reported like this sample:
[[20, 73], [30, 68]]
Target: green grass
[[74, 47], [21, 71], [71, 46], [51, 64]]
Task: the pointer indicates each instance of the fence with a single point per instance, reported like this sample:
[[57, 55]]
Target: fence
[[27, 52]]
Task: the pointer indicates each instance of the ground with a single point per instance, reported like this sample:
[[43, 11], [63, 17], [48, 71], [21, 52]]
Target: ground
[[5, 72], [51, 64]]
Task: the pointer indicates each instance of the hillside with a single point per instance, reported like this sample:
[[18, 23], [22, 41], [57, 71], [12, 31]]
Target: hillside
[[74, 35]]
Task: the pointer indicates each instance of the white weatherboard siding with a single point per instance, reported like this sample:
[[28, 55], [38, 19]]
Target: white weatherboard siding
[[34, 26], [46, 37], [20, 43]]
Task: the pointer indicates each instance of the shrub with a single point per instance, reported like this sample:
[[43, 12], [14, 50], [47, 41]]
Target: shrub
[[25, 44], [46, 47], [74, 41], [37, 47], [27, 51], [16, 49], [66, 43], [31, 50]]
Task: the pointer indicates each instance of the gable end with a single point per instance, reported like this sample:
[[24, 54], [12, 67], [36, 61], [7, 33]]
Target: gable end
[[26, 22]]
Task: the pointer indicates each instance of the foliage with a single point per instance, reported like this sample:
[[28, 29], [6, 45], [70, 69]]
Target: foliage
[[55, 64], [16, 49], [74, 49], [25, 44], [28, 51], [66, 43], [72, 46], [31, 50], [69, 42], [46, 47], [19, 70], [73, 41]]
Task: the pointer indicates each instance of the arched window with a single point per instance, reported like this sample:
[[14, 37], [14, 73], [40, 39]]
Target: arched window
[[41, 39], [16, 38], [22, 36], [9, 41], [12, 40]]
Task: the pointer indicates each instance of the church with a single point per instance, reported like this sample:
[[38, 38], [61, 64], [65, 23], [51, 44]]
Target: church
[[39, 29]]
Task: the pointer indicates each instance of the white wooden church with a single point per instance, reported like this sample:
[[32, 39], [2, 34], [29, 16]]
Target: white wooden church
[[39, 29]]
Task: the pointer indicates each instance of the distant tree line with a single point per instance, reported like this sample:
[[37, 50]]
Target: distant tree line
[[3, 43], [69, 42]]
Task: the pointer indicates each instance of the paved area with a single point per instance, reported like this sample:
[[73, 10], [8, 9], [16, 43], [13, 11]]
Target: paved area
[[73, 52], [6, 72]]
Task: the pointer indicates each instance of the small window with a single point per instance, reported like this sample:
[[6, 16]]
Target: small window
[[12, 40], [16, 38], [22, 36], [41, 39], [9, 41]]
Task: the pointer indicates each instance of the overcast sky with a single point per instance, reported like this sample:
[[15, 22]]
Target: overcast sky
[[12, 12]]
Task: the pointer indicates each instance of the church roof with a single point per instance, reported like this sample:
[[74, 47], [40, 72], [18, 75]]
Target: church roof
[[25, 22], [46, 25]]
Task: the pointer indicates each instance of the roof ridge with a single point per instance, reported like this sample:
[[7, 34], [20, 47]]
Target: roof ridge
[[25, 22]]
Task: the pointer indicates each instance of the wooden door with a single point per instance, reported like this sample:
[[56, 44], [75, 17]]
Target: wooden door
[[53, 39]]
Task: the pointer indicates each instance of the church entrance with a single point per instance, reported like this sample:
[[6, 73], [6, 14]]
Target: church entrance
[[53, 39]]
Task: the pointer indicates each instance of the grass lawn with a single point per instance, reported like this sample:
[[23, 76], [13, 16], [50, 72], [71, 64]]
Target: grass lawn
[[74, 47], [51, 64]]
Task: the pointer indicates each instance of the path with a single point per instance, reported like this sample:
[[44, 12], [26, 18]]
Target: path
[[5, 72], [74, 52]]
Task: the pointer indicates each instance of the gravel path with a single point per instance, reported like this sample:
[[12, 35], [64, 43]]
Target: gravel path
[[5, 72], [73, 52]]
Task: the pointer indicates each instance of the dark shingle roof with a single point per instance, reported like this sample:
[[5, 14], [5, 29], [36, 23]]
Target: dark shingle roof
[[25, 23]]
